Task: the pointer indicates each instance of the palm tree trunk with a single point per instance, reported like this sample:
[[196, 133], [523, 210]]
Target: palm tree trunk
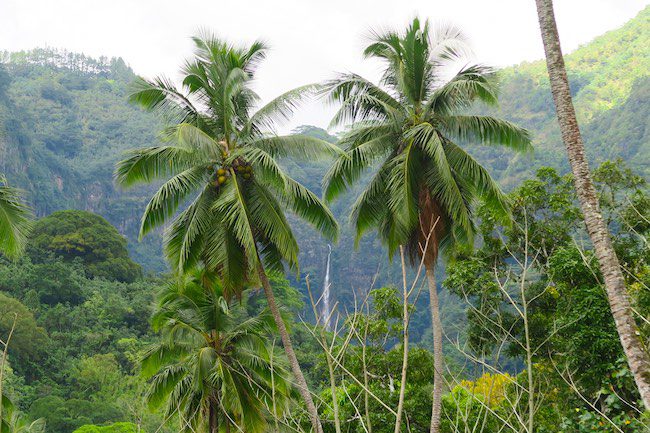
[[214, 424], [288, 348], [438, 365], [405, 345], [637, 357]]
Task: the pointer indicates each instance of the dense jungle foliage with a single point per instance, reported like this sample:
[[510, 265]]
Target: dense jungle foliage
[[524, 313]]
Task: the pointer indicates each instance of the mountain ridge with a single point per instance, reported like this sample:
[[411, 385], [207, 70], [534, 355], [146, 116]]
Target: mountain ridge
[[65, 121]]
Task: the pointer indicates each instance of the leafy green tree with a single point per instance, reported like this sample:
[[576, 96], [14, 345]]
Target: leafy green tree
[[570, 324], [635, 351], [28, 339], [118, 427], [79, 234], [14, 220], [422, 195], [223, 156], [212, 366]]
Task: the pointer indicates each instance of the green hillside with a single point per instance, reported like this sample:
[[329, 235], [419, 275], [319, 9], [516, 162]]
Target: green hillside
[[609, 77], [64, 121]]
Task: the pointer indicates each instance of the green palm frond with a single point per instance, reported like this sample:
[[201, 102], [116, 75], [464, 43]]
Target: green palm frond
[[232, 206], [361, 100], [15, 220], [161, 96], [153, 163], [364, 145], [487, 130], [296, 146], [165, 202], [281, 108], [407, 125], [187, 373], [310, 208], [267, 215], [466, 167], [229, 221], [370, 207], [184, 238], [472, 83]]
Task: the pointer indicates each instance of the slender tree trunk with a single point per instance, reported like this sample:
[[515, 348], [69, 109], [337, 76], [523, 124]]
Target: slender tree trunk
[[438, 365], [3, 361], [288, 348], [366, 396], [637, 356], [213, 422], [405, 346]]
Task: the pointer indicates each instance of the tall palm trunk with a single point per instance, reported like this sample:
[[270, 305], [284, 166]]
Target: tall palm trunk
[[288, 348], [432, 229], [637, 357], [214, 424], [438, 365]]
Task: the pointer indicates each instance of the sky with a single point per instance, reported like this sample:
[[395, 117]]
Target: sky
[[310, 40]]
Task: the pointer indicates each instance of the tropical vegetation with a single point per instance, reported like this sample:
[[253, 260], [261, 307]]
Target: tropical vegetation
[[421, 198], [186, 295]]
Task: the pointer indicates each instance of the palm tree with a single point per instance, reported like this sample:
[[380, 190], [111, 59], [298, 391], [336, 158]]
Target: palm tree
[[15, 219], [222, 155], [212, 363], [422, 194], [637, 357], [15, 421]]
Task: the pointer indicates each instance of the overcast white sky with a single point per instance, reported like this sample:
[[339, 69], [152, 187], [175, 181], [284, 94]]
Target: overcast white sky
[[310, 39]]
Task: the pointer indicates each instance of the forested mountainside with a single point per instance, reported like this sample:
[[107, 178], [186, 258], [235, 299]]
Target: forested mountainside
[[65, 121]]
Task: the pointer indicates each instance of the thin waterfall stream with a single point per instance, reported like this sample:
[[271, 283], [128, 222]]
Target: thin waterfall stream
[[327, 309]]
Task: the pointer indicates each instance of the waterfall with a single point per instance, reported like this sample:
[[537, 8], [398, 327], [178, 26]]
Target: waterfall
[[326, 310]]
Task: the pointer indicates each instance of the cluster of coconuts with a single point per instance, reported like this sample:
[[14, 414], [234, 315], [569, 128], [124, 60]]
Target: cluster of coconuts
[[240, 167]]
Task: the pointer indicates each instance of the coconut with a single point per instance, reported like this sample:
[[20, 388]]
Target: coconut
[[221, 179], [221, 172]]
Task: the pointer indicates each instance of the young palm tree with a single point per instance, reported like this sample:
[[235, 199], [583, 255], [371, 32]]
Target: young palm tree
[[15, 421], [222, 155], [210, 364], [422, 194], [15, 220], [637, 356]]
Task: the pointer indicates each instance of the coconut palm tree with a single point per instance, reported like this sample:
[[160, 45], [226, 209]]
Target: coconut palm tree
[[221, 157], [422, 194], [15, 219], [212, 365], [637, 357]]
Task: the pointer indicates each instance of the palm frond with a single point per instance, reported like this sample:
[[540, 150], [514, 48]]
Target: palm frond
[[268, 217], [296, 146], [161, 95], [183, 239], [153, 163], [281, 108], [472, 83], [308, 207], [487, 130], [361, 100], [441, 181], [165, 202], [15, 221], [364, 146], [466, 167]]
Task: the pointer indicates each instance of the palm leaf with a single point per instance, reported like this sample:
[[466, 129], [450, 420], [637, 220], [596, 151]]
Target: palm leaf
[[487, 130], [15, 221]]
